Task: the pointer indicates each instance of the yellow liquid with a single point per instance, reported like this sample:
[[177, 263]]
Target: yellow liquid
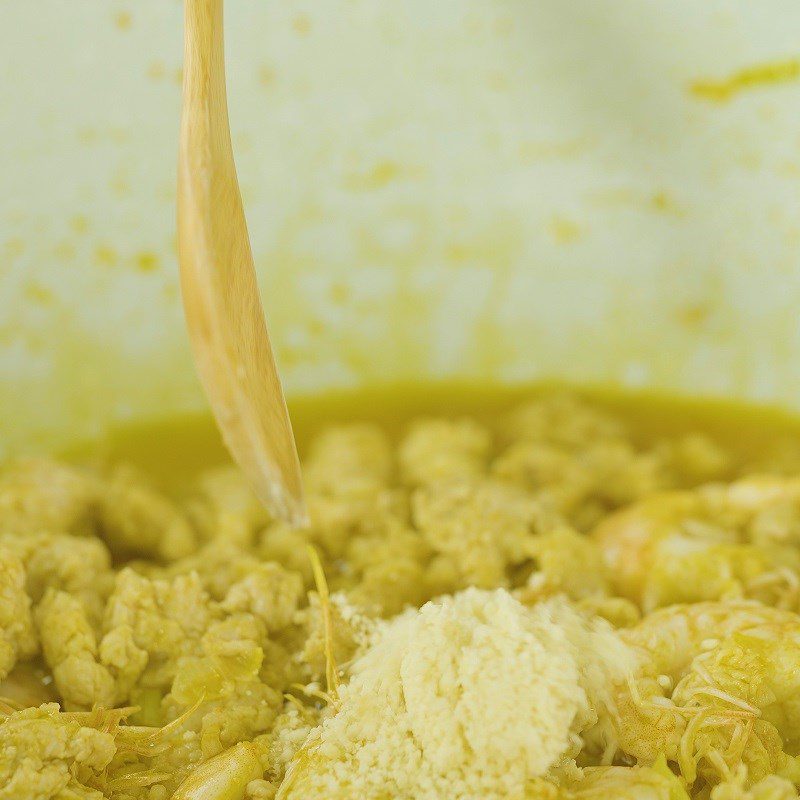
[[173, 450]]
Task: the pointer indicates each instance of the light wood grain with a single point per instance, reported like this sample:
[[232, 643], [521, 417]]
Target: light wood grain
[[221, 300]]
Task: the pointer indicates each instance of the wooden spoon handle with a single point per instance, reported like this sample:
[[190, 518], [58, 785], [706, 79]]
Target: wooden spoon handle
[[221, 300]]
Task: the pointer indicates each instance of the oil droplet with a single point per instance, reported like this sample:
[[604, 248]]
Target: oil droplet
[[694, 315], [339, 293], [105, 256], [37, 293], [266, 75], [769, 74], [146, 262], [564, 231], [378, 176], [156, 70], [123, 20], [79, 223], [301, 24], [664, 203]]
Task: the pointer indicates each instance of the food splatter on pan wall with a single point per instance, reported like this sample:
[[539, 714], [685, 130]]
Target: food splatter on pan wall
[[486, 189]]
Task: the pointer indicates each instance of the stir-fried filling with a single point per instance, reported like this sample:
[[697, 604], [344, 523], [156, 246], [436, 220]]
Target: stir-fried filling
[[544, 607]]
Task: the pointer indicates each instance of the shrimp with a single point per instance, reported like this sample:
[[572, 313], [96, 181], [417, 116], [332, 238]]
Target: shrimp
[[659, 783], [717, 690], [224, 777], [720, 541], [85, 753], [770, 788], [628, 783]]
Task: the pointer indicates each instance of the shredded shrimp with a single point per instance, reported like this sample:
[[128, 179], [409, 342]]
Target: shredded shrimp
[[720, 541], [224, 777], [716, 690], [628, 783]]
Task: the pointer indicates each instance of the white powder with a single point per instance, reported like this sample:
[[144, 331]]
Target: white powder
[[467, 699]]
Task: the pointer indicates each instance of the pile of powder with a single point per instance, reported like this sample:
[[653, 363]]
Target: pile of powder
[[472, 696]]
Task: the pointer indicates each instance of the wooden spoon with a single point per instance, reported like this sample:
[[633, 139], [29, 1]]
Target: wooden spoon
[[218, 280]]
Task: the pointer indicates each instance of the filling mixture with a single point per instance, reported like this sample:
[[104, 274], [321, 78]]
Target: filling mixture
[[547, 606]]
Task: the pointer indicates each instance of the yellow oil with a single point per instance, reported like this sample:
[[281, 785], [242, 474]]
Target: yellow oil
[[751, 77], [173, 450]]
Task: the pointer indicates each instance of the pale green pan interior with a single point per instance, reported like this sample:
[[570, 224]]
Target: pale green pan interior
[[491, 190]]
